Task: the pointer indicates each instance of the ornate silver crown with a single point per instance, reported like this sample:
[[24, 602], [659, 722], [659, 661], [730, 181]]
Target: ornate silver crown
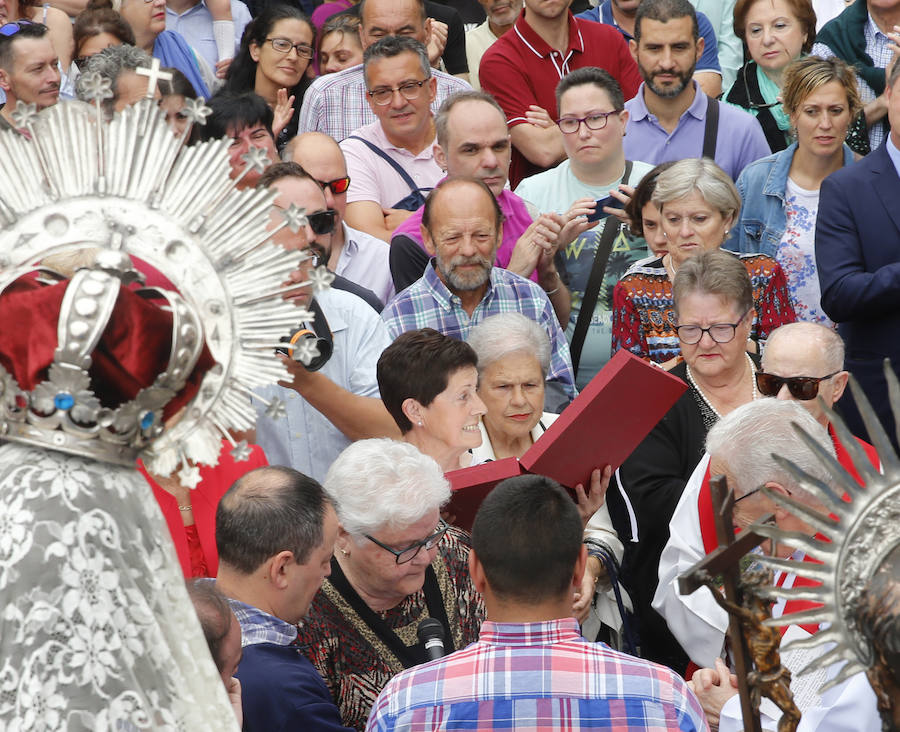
[[863, 532], [130, 188]]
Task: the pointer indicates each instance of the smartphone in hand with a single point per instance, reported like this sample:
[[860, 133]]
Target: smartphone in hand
[[598, 211]]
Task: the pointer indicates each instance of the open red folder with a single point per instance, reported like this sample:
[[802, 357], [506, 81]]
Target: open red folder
[[604, 424]]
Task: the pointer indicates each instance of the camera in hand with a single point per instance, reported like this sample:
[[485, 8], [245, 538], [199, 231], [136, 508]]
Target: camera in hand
[[316, 330]]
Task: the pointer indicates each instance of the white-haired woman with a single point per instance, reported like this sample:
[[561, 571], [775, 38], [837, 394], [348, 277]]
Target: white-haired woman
[[699, 204], [396, 563]]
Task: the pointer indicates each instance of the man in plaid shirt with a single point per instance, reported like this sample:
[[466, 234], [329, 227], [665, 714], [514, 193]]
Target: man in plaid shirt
[[530, 668]]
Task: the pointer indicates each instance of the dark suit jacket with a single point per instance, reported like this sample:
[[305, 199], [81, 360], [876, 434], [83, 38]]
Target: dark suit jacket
[[858, 257]]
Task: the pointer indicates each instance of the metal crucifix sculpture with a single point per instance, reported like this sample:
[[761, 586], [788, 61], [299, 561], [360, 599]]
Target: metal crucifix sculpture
[[754, 646]]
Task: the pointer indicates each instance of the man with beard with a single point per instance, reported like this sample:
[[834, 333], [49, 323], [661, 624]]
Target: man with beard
[[29, 69], [671, 118], [462, 226]]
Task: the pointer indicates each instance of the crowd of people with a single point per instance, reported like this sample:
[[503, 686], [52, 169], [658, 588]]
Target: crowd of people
[[504, 194]]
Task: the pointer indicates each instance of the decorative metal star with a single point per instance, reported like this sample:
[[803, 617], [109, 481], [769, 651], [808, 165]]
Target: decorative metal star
[[276, 409], [305, 351], [95, 88], [295, 217], [189, 475], [24, 115], [196, 111], [256, 159], [241, 452], [321, 278]]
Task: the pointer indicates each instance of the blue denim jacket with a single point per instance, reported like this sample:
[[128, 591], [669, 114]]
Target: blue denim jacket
[[762, 187]]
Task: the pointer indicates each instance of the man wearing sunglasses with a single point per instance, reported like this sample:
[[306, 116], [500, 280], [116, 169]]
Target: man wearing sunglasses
[[29, 68], [330, 407], [354, 254]]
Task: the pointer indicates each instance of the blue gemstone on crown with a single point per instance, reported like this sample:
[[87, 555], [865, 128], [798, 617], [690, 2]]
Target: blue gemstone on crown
[[147, 420], [64, 401]]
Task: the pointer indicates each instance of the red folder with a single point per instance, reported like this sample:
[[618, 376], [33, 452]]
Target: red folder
[[604, 424]]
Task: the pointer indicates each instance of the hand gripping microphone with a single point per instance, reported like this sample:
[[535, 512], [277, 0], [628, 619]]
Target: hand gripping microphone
[[431, 635]]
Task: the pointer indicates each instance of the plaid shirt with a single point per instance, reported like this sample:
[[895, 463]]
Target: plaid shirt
[[336, 103], [260, 627], [537, 676], [429, 304]]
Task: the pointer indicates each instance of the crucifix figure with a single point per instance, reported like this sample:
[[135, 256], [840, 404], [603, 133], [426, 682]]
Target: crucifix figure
[[154, 74], [754, 647]]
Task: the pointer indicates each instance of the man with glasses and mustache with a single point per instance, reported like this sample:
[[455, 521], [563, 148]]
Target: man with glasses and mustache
[[332, 401], [391, 160], [801, 362], [354, 254], [29, 68], [462, 226], [671, 118]]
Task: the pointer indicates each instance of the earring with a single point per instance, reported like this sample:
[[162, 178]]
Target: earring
[[420, 423], [345, 552]]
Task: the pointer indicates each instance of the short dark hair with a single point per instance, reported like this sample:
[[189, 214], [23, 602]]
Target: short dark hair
[[215, 616], [178, 85], [664, 11], [527, 535], [391, 46], [26, 30], [418, 365], [643, 192], [802, 10], [92, 23], [267, 511], [592, 75], [437, 191], [281, 170], [237, 110]]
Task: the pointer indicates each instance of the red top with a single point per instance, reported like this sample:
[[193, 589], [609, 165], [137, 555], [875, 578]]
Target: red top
[[520, 69], [196, 548]]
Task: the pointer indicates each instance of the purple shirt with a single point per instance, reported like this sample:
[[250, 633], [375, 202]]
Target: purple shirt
[[739, 142], [517, 219]]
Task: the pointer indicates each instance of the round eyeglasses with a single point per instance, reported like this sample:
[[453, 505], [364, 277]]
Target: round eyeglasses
[[409, 90], [594, 121], [283, 45], [719, 332], [803, 388], [407, 555]]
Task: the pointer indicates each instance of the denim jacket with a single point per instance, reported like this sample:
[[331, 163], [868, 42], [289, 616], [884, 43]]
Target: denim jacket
[[762, 186]]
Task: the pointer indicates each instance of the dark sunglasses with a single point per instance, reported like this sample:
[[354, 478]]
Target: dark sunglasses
[[322, 222], [803, 388], [337, 186], [10, 29]]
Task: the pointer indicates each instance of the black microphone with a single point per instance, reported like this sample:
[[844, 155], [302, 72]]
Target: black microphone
[[431, 635]]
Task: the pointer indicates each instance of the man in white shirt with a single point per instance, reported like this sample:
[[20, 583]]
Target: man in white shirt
[[359, 257]]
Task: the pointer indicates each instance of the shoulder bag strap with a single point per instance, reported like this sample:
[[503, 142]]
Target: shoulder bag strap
[[595, 280], [711, 132], [393, 163]]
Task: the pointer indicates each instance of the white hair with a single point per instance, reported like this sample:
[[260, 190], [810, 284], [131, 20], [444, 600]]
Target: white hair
[[381, 483], [499, 335], [829, 343], [746, 438]]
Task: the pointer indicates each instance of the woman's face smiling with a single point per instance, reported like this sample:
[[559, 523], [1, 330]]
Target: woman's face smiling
[[452, 417], [284, 70]]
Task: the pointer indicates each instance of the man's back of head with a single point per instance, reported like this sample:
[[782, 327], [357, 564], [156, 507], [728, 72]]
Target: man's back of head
[[28, 65], [527, 537]]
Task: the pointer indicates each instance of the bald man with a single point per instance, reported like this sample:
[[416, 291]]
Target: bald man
[[358, 256]]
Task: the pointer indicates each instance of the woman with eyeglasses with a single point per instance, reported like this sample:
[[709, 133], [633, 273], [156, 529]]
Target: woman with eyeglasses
[[713, 317], [781, 192], [275, 52], [428, 383], [396, 563], [699, 204]]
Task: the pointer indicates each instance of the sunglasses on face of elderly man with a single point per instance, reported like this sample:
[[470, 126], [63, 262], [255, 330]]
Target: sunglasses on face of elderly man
[[403, 556], [803, 388]]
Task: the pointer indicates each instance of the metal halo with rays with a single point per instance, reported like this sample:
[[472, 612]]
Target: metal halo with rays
[[129, 184], [863, 528]]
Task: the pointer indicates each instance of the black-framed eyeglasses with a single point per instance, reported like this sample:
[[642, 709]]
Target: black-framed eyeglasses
[[719, 332], [283, 45], [337, 186], [594, 121], [407, 555], [803, 388], [409, 90], [322, 222], [10, 29]]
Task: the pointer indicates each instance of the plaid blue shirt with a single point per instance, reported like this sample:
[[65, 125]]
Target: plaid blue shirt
[[429, 304], [260, 627], [537, 676]]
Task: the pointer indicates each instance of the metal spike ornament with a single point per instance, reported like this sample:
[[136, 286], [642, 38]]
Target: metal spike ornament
[[862, 527], [124, 188]]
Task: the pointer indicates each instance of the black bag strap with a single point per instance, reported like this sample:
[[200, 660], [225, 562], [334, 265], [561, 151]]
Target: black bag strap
[[711, 132], [595, 280], [409, 656], [393, 163]]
